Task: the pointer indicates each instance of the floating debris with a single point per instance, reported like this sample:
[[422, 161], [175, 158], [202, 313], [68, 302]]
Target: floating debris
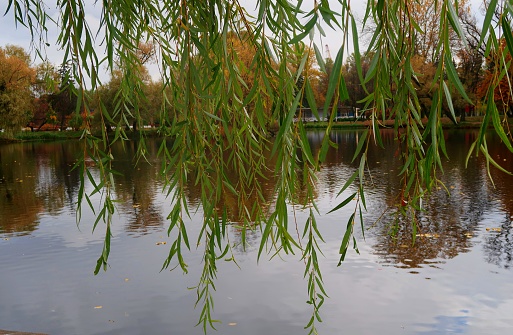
[[429, 235], [98, 307], [494, 229], [161, 243]]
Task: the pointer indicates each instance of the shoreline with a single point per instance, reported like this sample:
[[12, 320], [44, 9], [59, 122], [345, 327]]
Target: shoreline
[[471, 122]]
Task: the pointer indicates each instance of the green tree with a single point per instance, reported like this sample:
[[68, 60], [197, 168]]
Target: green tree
[[64, 100], [218, 118]]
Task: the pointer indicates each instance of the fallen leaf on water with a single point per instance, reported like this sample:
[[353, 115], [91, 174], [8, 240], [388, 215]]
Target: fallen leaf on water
[[429, 235], [126, 279], [98, 307], [494, 229], [232, 324], [469, 235], [161, 243], [136, 206]]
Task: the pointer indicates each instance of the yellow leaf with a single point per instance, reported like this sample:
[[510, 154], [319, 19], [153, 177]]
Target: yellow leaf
[[232, 324], [98, 307]]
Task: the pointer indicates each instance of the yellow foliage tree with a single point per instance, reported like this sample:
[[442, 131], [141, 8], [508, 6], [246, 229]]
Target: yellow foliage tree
[[16, 78]]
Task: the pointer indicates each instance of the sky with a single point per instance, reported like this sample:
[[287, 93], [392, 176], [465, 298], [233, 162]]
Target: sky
[[10, 34]]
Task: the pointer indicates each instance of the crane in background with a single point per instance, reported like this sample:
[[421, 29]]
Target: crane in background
[[328, 53]]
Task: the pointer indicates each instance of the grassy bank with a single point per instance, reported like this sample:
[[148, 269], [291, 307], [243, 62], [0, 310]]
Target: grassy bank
[[473, 122], [470, 122], [47, 135]]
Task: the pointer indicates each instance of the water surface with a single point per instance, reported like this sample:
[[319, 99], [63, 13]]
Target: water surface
[[456, 278]]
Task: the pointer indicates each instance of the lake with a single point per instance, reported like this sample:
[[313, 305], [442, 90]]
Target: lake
[[456, 278]]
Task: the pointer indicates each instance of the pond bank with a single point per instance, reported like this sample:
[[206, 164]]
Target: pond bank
[[10, 332], [471, 122]]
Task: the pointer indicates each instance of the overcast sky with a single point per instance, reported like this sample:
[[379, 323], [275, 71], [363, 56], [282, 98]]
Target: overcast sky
[[10, 34]]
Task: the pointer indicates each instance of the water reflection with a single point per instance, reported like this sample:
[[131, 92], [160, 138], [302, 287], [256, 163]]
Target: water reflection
[[498, 245], [450, 220], [137, 187], [35, 178], [464, 247]]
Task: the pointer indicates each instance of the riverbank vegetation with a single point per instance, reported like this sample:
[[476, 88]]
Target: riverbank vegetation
[[225, 77], [39, 97]]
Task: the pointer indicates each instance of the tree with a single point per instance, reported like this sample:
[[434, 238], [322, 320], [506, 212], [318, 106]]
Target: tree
[[16, 78], [325, 79], [498, 86], [219, 120], [63, 100], [355, 88], [45, 86]]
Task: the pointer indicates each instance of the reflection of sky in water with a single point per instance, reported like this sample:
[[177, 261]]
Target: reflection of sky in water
[[459, 282], [448, 324]]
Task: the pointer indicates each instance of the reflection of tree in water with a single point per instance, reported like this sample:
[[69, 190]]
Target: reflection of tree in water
[[57, 182], [31, 182], [443, 231], [137, 188], [498, 245], [247, 205], [449, 221], [252, 239]]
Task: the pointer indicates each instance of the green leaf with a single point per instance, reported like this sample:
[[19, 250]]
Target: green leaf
[[454, 79], [349, 182], [361, 141], [449, 99], [343, 203], [490, 12]]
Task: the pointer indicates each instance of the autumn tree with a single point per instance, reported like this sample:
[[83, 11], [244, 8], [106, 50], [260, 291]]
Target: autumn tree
[[243, 54], [426, 15], [16, 79], [355, 88], [46, 84], [324, 79], [113, 104], [496, 85]]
